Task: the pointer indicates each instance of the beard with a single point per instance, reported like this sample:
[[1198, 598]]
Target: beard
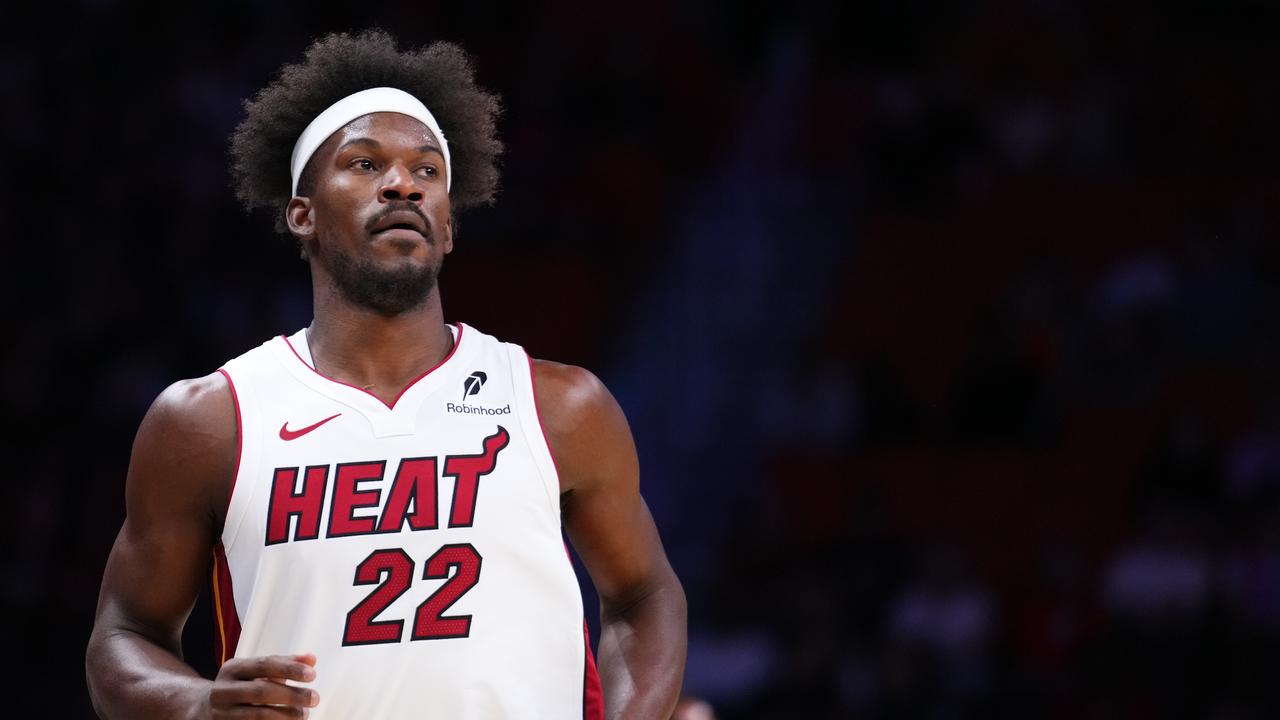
[[385, 291]]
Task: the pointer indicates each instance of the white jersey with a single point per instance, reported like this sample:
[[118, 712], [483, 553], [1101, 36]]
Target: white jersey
[[415, 547]]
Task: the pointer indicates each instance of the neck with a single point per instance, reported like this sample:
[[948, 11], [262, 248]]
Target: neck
[[378, 353]]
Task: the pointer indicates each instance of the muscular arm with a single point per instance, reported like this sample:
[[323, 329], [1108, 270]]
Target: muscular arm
[[642, 606], [179, 478]]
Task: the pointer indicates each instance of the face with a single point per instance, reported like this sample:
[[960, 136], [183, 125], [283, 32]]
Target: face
[[377, 224]]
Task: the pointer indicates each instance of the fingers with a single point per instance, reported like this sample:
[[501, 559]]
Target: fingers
[[262, 692], [280, 667], [246, 712], [257, 687]]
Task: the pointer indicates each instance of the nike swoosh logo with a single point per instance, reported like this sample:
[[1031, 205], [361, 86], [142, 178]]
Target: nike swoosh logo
[[287, 434]]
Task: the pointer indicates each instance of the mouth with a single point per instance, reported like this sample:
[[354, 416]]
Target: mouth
[[400, 230], [400, 224]]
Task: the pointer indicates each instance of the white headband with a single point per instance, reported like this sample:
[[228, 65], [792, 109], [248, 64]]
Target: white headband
[[379, 99]]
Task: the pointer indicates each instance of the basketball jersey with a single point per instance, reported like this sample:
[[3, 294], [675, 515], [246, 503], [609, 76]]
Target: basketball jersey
[[414, 547]]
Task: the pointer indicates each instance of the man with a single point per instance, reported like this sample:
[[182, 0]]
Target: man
[[381, 493]]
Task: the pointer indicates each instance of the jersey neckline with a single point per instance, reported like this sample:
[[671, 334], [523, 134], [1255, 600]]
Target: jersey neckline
[[457, 343]]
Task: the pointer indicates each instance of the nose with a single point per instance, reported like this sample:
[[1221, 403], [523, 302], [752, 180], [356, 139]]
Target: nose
[[398, 184]]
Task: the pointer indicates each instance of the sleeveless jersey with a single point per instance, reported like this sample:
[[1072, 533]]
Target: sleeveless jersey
[[415, 547]]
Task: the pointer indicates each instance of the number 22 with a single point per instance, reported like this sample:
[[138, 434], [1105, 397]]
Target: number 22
[[392, 571]]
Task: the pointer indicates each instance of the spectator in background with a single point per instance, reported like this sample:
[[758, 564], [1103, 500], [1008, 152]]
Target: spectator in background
[[1163, 576], [692, 708], [942, 625]]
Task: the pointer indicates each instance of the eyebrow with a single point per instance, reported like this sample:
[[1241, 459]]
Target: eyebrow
[[370, 142], [360, 141]]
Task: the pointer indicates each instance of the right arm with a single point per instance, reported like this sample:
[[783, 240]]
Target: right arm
[[179, 479]]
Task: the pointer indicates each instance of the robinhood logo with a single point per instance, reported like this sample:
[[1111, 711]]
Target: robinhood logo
[[471, 386], [477, 409]]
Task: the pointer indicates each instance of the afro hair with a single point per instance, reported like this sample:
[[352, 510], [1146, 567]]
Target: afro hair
[[337, 65]]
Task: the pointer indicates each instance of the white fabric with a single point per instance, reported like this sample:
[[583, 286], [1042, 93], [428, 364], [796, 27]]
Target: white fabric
[[525, 654], [379, 99]]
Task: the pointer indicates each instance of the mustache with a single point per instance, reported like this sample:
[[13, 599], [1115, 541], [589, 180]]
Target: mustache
[[396, 207]]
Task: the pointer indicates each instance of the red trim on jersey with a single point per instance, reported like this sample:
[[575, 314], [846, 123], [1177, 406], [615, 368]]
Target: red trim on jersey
[[533, 383], [592, 694], [235, 400], [392, 405], [227, 636]]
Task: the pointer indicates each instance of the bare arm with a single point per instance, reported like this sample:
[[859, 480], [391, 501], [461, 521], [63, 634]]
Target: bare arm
[[180, 476], [642, 606]]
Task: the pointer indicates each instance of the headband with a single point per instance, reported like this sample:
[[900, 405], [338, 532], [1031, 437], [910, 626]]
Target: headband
[[379, 99]]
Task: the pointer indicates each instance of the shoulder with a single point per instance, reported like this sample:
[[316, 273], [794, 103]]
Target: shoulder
[[584, 425], [567, 394], [186, 448], [203, 406]]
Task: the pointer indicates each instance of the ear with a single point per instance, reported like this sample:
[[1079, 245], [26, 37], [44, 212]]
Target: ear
[[300, 219], [449, 226]]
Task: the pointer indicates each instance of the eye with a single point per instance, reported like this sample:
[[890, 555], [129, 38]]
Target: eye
[[362, 163], [429, 171]]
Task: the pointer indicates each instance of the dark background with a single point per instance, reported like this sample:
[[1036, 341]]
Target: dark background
[[945, 329]]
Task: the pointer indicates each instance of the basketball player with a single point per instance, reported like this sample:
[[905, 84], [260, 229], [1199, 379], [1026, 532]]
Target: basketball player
[[381, 495]]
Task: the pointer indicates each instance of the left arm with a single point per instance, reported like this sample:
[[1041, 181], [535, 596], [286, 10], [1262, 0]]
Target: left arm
[[642, 606]]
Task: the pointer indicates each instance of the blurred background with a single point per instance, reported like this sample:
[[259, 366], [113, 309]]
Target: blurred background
[[945, 329]]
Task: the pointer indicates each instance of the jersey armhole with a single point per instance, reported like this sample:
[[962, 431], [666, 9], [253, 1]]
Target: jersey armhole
[[530, 421], [246, 452]]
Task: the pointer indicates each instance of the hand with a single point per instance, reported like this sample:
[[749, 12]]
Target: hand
[[255, 688]]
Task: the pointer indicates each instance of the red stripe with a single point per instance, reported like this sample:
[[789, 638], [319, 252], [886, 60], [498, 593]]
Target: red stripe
[[396, 399], [227, 636], [235, 400], [592, 695]]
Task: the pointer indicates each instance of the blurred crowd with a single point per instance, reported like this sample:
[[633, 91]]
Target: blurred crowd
[[1020, 457], [942, 327]]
